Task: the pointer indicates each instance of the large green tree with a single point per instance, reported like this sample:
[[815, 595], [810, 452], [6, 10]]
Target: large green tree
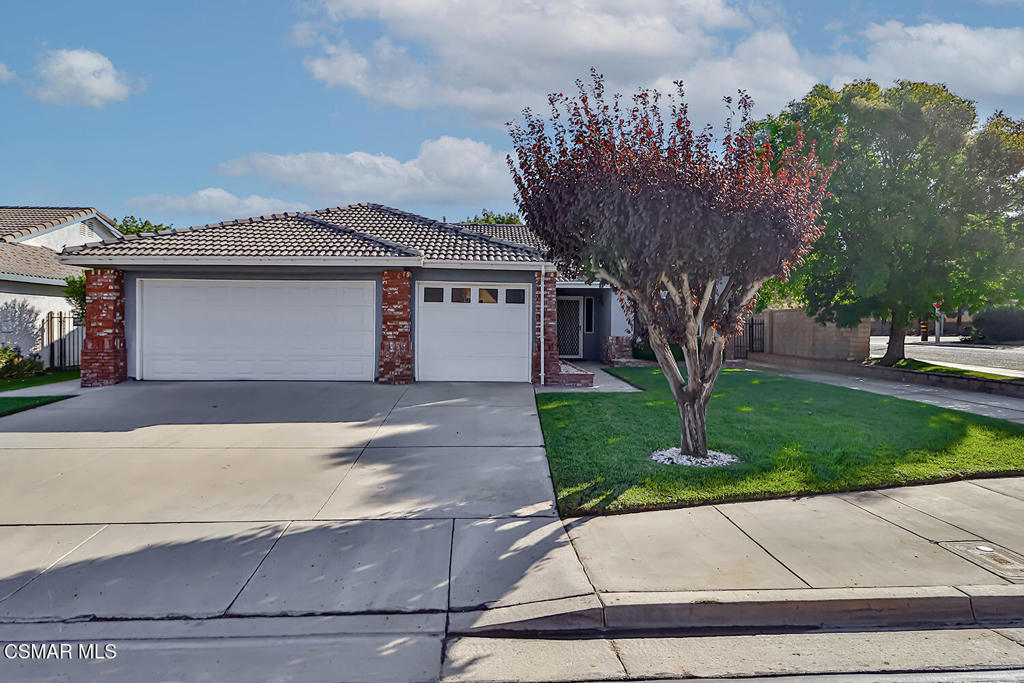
[[487, 216], [925, 204], [130, 225]]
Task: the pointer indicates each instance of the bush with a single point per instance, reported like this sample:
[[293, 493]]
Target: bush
[[642, 350], [14, 366], [998, 325]]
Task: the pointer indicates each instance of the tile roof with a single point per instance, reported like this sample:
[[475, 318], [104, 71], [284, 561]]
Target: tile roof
[[28, 261], [279, 235], [19, 221], [435, 240], [519, 234], [357, 231]]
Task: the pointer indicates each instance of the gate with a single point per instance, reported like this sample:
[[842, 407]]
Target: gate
[[755, 335], [61, 340]]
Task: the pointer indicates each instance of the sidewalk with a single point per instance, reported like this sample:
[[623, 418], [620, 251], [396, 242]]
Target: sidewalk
[[990, 405], [905, 579], [944, 554]]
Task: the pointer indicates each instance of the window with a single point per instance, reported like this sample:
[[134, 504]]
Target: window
[[461, 295], [515, 296], [433, 294], [488, 296], [588, 315]]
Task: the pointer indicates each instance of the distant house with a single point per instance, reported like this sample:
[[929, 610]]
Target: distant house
[[31, 277]]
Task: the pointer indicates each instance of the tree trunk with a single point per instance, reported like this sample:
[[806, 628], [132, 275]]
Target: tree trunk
[[693, 421], [691, 395], [896, 349]]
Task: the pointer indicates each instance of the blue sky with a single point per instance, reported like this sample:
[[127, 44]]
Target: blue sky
[[191, 112]]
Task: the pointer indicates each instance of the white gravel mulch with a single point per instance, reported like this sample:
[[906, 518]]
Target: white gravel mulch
[[674, 456]]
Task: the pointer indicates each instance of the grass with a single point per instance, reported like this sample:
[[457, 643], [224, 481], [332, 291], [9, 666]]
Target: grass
[[792, 437], [921, 366], [16, 404], [45, 378]]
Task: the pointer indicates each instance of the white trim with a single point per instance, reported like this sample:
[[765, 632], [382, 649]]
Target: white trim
[[420, 284], [139, 307], [580, 299], [236, 260], [579, 284], [485, 265], [83, 219], [32, 279]]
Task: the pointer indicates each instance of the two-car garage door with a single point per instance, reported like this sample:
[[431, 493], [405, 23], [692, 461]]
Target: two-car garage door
[[249, 329], [325, 330]]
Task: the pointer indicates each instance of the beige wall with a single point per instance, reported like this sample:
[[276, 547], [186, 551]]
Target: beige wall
[[791, 332]]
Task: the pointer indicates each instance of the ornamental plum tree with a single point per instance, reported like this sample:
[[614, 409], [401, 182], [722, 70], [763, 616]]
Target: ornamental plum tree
[[685, 223]]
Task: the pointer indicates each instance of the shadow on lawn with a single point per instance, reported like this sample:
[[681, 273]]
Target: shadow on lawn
[[793, 437]]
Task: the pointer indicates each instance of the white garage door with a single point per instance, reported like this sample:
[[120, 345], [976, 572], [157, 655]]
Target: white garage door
[[473, 332], [249, 329]]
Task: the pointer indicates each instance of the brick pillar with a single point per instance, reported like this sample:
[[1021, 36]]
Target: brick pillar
[[395, 363], [104, 356], [548, 327]]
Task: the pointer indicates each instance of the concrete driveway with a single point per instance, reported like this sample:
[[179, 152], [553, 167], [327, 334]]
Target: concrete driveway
[[205, 499]]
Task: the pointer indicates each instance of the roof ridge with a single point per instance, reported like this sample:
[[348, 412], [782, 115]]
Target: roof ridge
[[456, 229], [409, 251]]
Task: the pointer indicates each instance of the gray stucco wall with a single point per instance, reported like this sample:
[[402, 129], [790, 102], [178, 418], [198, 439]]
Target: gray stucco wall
[[306, 273]]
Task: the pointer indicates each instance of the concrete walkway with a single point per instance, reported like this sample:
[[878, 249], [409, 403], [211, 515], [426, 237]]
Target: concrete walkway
[[71, 387], [980, 403], [603, 382]]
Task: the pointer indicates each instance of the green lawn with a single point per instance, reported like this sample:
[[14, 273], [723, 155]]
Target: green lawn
[[921, 366], [46, 378], [16, 404], [792, 437]]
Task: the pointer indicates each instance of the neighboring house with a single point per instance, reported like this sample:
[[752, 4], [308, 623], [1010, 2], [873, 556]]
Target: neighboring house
[[359, 292], [31, 276], [591, 323]]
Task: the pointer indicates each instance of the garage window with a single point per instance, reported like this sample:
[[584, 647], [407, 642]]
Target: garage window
[[433, 294], [488, 295], [461, 295], [515, 296]]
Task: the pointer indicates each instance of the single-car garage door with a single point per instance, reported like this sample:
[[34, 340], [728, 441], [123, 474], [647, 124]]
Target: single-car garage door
[[256, 329], [472, 332]]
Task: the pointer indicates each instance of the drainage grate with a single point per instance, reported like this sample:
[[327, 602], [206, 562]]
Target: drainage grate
[[994, 558]]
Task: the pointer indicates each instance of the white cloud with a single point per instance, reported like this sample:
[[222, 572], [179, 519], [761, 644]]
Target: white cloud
[[981, 63], [445, 171], [493, 62], [6, 74], [215, 201], [80, 77]]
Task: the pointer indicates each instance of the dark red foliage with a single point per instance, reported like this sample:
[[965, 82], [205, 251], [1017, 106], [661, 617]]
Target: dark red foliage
[[689, 225]]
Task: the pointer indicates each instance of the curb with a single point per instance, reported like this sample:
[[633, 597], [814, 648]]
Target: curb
[[754, 609]]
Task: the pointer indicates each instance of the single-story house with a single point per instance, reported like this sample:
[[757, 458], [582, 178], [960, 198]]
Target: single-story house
[[360, 292], [31, 276]]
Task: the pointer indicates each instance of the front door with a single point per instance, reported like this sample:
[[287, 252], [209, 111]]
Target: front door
[[570, 326]]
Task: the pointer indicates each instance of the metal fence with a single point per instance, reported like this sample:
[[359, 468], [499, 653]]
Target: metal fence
[[61, 340], [751, 340]]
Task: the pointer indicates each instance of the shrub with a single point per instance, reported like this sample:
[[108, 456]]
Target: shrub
[[14, 366], [998, 325], [642, 350]]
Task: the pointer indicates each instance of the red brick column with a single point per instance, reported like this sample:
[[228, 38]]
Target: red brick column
[[395, 362], [549, 328], [104, 357]]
